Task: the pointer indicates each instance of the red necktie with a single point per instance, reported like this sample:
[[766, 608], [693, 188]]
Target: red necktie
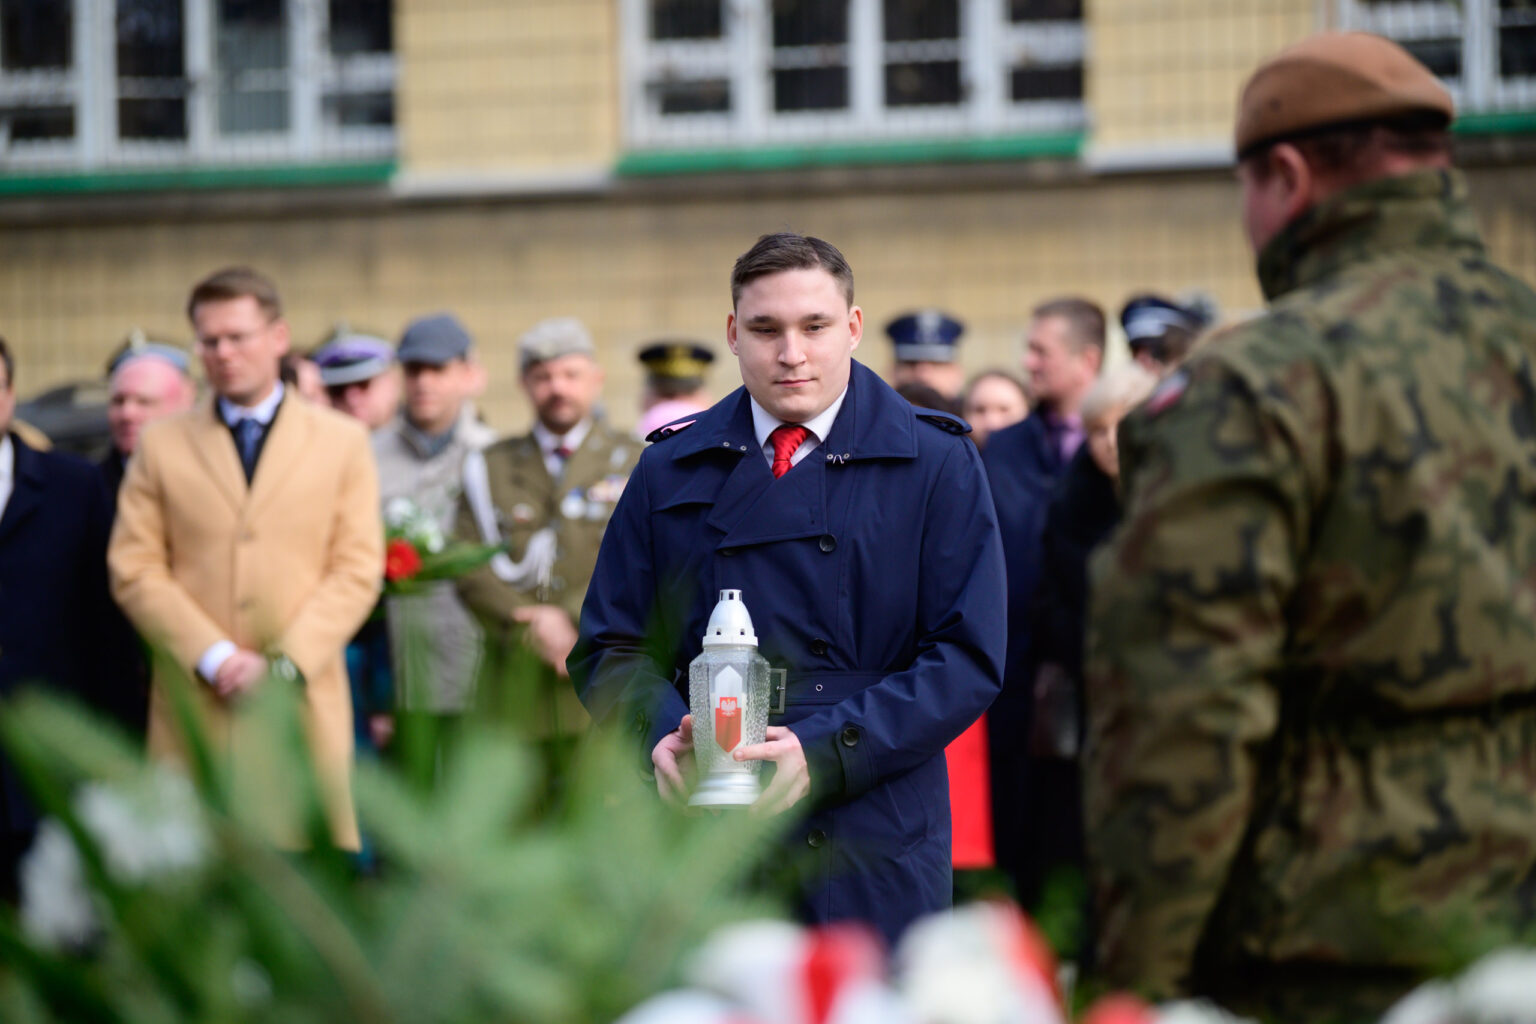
[[785, 440]]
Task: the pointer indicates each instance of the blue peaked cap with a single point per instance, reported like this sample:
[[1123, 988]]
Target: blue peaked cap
[[928, 336]]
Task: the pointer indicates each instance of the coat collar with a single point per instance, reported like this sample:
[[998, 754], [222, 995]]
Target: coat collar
[[1425, 209], [875, 423]]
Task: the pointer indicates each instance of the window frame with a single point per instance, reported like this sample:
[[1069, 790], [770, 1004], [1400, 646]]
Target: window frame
[[1480, 88], [988, 47], [91, 85]]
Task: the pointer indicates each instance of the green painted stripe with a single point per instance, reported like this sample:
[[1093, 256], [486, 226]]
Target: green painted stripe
[[282, 176], [1509, 122], [774, 158]]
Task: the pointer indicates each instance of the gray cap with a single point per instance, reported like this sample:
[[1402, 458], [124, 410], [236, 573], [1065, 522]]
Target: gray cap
[[550, 339], [351, 358], [436, 340]]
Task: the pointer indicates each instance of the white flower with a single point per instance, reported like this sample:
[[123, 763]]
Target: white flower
[[432, 537], [1433, 1002], [974, 966], [398, 512], [1196, 1011], [56, 910], [153, 831], [1501, 987]]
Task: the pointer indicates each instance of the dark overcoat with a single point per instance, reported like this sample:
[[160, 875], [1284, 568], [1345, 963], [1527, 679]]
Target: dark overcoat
[[1023, 465], [54, 604], [873, 573]]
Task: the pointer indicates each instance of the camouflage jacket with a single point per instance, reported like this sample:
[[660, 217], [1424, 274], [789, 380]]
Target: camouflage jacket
[[1312, 650]]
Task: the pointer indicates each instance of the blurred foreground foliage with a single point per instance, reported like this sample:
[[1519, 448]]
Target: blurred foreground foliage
[[493, 902]]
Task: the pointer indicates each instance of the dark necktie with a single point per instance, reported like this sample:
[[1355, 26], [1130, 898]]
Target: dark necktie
[[785, 440], [562, 453], [248, 440]]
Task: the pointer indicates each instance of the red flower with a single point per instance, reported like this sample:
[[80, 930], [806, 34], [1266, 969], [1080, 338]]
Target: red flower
[[401, 560]]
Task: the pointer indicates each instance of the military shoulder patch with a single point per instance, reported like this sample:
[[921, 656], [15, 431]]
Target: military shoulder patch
[[667, 430], [1168, 392], [944, 421]]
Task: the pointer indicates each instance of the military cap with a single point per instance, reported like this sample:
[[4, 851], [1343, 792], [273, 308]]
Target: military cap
[[350, 358], [684, 362], [137, 346], [928, 336], [1334, 79], [435, 340], [550, 339], [1147, 317]]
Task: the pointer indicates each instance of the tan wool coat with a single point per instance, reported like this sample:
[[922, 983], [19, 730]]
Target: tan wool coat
[[290, 564]]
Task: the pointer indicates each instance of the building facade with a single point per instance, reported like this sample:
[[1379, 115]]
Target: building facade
[[515, 159]]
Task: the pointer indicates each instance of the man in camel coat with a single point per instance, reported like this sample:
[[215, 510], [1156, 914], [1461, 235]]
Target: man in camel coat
[[247, 550]]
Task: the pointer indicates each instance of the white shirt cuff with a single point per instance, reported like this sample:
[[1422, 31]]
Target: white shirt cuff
[[214, 658]]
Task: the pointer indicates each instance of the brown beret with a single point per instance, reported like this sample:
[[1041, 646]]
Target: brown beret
[[1334, 78]]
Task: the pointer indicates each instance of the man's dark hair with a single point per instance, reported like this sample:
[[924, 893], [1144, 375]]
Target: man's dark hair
[[774, 254], [1353, 151], [1084, 317], [9, 362], [237, 283]]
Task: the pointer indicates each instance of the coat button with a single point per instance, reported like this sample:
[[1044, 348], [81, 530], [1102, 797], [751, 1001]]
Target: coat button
[[641, 725], [816, 839], [828, 543], [850, 736], [818, 647], [727, 552]]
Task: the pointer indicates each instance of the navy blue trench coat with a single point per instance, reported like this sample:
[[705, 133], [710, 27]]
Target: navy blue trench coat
[[874, 574]]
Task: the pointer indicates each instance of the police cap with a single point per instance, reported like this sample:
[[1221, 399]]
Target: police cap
[[927, 336]]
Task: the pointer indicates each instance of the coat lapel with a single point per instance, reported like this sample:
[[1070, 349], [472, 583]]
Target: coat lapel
[[282, 452], [215, 446], [26, 488]]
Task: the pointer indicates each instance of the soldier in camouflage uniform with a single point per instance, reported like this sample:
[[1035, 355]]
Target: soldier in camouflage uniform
[[1311, 771], [548, 494]]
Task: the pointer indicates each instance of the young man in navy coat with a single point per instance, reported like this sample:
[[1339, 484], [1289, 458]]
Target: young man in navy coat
[[866, 548]]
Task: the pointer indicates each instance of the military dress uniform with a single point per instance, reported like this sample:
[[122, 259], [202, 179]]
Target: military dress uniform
[[552, 527], [1311, 767]]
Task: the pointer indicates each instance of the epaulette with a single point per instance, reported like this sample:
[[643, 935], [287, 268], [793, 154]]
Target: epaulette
[[667, 430], [947, 422]]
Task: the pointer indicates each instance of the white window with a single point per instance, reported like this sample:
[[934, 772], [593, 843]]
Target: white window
[[749, 72], [102, 84], [1484, 50]]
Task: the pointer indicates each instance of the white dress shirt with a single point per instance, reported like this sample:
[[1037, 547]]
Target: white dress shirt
[[7, 471], [262, 412], [765, 423], [549, 440]]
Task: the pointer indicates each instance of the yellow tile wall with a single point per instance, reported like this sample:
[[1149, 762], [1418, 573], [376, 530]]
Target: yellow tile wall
[[506, 86], [1167, 72], [635, 267]]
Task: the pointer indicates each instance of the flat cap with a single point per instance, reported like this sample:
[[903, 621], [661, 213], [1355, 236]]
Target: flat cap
[[434, 340], [550, 339], [1335, 78], [927, 336], [350, 358]]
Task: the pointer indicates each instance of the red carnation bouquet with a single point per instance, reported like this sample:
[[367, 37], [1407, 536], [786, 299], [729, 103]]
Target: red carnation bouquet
[[416, 552]]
